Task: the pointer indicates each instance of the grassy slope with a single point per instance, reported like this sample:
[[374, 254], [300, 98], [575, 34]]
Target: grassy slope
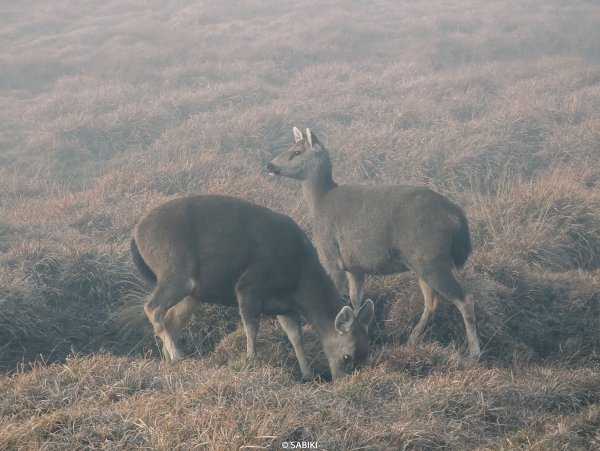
[[108, 108]]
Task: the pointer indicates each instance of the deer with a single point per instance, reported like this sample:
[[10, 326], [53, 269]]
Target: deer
[[364, 230], [225, 250]]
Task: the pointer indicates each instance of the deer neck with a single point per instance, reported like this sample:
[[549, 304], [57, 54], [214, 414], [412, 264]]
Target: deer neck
[[318, 183], [319, 301]]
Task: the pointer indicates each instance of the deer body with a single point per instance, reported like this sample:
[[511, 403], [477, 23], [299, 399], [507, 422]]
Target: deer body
[[379, 230], [373, 246], [224, 250]]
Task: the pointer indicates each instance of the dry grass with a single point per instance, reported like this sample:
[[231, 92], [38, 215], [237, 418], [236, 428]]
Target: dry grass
[[108, 109], [117, 403]]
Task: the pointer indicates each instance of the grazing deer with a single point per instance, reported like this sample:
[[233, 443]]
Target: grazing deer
[[224, 250], [363, 230]]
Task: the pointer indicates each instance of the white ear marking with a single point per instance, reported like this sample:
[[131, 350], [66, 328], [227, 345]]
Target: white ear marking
[[344, 319], [309, 137], [366, 314], [297, 134]]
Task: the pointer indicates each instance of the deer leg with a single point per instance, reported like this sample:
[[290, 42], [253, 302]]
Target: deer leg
[[291, 324], [442, 281], [430, 304], [356, 284], [249, 311], [337, 275], [177, 317], [168, 292], [466, 306], [251, 321]]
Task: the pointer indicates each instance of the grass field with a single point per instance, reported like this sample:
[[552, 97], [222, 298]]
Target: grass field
[[109, 108]]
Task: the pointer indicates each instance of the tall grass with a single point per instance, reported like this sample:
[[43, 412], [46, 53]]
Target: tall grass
[[109, 108]]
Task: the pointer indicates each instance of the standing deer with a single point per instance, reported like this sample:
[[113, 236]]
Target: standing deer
[[225, 250], [363, 230]]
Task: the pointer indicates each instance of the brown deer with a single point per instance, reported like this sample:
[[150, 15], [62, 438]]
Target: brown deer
[[363, 230], [225, 250]]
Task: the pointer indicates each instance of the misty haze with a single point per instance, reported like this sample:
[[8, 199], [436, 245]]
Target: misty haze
[[110, 108]]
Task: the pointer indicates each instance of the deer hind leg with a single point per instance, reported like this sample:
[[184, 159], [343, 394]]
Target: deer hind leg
[[442, 280], [291, 325], [356, 284], [178, 316], [467, 309], [430, 305], [168, 292]]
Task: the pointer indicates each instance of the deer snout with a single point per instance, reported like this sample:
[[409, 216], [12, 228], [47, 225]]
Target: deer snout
[[271, 168]]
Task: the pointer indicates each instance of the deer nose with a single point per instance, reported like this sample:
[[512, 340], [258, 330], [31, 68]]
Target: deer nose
[[272, 169]]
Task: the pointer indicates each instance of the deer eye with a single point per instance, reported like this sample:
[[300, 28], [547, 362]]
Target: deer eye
[[296, 153], [348, 363]]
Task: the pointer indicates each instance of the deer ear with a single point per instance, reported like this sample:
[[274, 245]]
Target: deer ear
[[313, 141], [309, 137], [344, 320], [297, 134], [366, 314]]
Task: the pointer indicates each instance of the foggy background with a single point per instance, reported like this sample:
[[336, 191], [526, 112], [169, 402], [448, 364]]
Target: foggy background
[[108, 108]]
